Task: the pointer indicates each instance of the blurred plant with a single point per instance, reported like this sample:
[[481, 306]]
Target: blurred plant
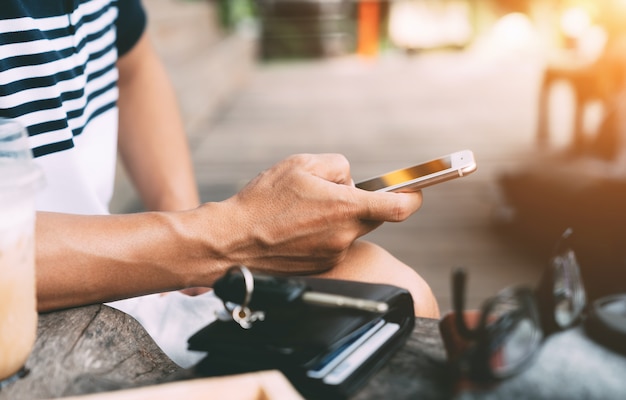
[[234, 13]]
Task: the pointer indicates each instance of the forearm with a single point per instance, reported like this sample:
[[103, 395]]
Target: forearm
[[152, 142], [91, 259]]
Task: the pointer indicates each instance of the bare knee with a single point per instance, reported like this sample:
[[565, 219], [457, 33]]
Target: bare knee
[[367, 262]]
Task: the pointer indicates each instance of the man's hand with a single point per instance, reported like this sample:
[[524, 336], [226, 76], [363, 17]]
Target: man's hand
[[303, 214]]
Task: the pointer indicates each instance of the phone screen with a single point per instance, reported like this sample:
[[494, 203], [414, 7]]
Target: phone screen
[[408, 174]]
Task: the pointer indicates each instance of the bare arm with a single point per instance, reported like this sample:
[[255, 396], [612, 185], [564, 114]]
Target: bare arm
[[299, 217], [152, 142]]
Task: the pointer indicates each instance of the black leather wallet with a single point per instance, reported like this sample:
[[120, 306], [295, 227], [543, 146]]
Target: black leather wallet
[[324, 352]]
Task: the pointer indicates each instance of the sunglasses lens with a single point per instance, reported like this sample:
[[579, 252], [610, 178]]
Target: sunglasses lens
[[568, 290], [606, 322], [515, 336], [616, 306]]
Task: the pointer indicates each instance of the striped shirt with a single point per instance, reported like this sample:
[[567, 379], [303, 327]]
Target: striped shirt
[[58, 77]]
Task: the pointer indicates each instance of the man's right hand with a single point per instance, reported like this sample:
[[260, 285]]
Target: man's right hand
[[300, 216]]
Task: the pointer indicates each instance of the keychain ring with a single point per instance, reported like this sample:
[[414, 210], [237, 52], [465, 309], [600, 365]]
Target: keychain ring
[[248, 280]]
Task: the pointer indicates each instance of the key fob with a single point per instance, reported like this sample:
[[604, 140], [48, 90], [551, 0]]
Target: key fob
[[268, 292]]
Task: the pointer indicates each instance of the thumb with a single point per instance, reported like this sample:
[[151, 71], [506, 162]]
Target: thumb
[[388, 206]]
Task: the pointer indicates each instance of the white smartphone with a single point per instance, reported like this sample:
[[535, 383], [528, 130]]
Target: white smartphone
[[413, 178]]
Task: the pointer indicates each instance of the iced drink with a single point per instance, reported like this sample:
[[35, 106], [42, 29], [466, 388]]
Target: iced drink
[[18, 316], [19, 179]]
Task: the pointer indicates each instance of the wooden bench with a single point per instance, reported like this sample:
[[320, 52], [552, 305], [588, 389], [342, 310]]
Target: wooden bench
[[99, 353]]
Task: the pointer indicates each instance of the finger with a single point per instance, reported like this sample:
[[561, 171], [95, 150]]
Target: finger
[[388, 206], [331, 167]]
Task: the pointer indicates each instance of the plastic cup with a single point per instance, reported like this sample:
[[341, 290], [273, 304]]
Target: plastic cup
[[20, 178]]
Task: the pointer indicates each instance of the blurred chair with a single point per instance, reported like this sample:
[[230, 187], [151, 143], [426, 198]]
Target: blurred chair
[[599, 79], [583, 79]]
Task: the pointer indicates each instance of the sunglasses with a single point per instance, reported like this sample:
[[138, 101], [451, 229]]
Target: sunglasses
[[510, 327]]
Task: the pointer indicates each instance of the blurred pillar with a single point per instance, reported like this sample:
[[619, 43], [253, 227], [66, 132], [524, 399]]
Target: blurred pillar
[[368, 27]]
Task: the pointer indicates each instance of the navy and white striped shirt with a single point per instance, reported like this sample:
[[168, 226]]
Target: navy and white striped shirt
[[58, 77]]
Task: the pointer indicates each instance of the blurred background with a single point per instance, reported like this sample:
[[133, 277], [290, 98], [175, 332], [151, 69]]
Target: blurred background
[[522, 83]]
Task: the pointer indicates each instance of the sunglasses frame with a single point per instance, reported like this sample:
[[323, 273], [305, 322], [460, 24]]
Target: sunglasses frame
[[536, 305]]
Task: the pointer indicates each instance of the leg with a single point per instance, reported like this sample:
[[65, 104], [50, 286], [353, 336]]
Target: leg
[[369, 263]]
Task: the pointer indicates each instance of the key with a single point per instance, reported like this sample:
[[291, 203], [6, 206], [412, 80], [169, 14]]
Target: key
[[335, 300], [271, 291]]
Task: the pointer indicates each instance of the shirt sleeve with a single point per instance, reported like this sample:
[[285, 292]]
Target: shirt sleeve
[[130, 24]]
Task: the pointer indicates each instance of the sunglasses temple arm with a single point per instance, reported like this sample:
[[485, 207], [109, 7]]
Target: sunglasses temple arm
[[458, 298]]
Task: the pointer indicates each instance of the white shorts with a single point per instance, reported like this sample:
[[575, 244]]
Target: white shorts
[[172, 318]]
